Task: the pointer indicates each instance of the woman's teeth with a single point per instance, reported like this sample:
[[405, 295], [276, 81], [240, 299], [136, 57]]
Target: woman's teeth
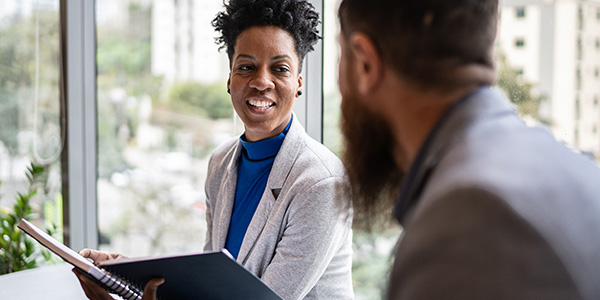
[[261, 104]]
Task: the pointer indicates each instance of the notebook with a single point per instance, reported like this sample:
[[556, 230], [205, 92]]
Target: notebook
[[212, 275]]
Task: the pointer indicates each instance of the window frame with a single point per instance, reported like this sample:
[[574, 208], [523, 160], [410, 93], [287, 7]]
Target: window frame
[[520, 12], [80, 154]]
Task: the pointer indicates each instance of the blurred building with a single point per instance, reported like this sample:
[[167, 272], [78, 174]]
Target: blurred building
[[14, 10], [183, 41], [555, 44]]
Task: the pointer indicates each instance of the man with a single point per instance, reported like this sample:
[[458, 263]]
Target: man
[[490, 208]]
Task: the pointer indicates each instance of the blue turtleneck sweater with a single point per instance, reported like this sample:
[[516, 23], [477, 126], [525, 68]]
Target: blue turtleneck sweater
[[253, 172]]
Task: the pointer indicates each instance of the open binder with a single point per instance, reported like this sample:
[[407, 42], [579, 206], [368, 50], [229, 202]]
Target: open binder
[[213, 275]]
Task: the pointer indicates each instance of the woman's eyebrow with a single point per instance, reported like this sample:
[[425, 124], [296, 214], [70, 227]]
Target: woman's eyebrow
[[281, 57], [250, 57]]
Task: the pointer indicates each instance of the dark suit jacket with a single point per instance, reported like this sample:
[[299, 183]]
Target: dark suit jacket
[[494, 209]]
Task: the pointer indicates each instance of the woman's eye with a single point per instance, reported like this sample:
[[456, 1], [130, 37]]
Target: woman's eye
[[244, 68], [282, 69]]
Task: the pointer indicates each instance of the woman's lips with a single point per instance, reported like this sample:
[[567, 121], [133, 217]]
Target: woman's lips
[[260, 105]]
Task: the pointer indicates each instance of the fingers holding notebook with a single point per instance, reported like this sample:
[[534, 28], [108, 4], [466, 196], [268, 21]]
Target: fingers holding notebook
[[99, 256], [95, 292], [92, 290], [151, 287]]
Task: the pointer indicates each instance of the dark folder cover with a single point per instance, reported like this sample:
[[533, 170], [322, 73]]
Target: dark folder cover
[[214, 275]]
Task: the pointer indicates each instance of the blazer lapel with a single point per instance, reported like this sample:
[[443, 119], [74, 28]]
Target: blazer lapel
[[224, 207], [279, 172]]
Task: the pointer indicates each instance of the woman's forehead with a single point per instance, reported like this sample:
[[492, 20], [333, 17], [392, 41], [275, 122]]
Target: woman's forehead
[[265, 40]]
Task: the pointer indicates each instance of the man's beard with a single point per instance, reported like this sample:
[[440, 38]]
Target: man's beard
[[368, 157]]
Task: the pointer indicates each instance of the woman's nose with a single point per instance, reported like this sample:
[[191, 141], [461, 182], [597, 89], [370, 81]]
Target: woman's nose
[[262, 80]]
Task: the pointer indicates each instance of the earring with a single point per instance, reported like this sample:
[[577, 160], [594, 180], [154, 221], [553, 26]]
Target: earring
[[299, 93], [228, 91]]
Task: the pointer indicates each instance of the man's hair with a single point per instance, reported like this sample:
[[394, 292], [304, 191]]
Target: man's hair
[[425, 40], [298, 17]]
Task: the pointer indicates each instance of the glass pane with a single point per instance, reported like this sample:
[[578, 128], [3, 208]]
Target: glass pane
[[30, 116], [332, 136], [162, 108], [547, 59]]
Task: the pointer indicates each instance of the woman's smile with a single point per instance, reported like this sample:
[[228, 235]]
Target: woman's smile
[[260, 105]]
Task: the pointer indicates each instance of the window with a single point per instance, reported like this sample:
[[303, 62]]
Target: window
[[579, 48], [580, 18], [162, 108], [30, 106], [557, 68], [578, 78], [520, 12], [577, 109]]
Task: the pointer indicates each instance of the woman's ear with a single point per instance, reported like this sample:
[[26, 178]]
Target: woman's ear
[[299, 90], [368, 65]]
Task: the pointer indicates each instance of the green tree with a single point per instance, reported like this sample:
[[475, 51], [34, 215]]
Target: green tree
[[18, 66], [518, 90], [206, 99], [123, 64]]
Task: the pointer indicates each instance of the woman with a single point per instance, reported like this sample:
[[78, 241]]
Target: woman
[[276, 199]]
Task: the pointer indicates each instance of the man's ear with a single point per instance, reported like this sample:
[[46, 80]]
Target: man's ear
[[368, 65], [228, 82]]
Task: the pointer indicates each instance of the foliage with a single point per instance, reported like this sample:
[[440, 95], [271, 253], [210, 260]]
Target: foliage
[[519, 91], [332, 134], [208, 99], [110, 149], [125, 62], [17, 70], [18, 252], [373, 257], [123, 65], [152, 212]]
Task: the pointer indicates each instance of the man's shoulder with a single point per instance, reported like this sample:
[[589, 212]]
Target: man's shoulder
[[537, 179]]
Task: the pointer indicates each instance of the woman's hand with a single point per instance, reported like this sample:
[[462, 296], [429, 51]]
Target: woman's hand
[[99, 256], [95, 292], [91, 289]]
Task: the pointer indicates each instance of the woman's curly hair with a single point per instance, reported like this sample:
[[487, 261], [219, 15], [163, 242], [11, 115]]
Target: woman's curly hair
[[297, 17]]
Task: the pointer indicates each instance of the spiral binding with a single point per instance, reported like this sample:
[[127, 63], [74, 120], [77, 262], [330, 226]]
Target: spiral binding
[[115, 285]]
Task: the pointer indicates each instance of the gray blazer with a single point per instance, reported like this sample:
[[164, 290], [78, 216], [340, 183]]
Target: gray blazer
[[493, 209], [299, 241]]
